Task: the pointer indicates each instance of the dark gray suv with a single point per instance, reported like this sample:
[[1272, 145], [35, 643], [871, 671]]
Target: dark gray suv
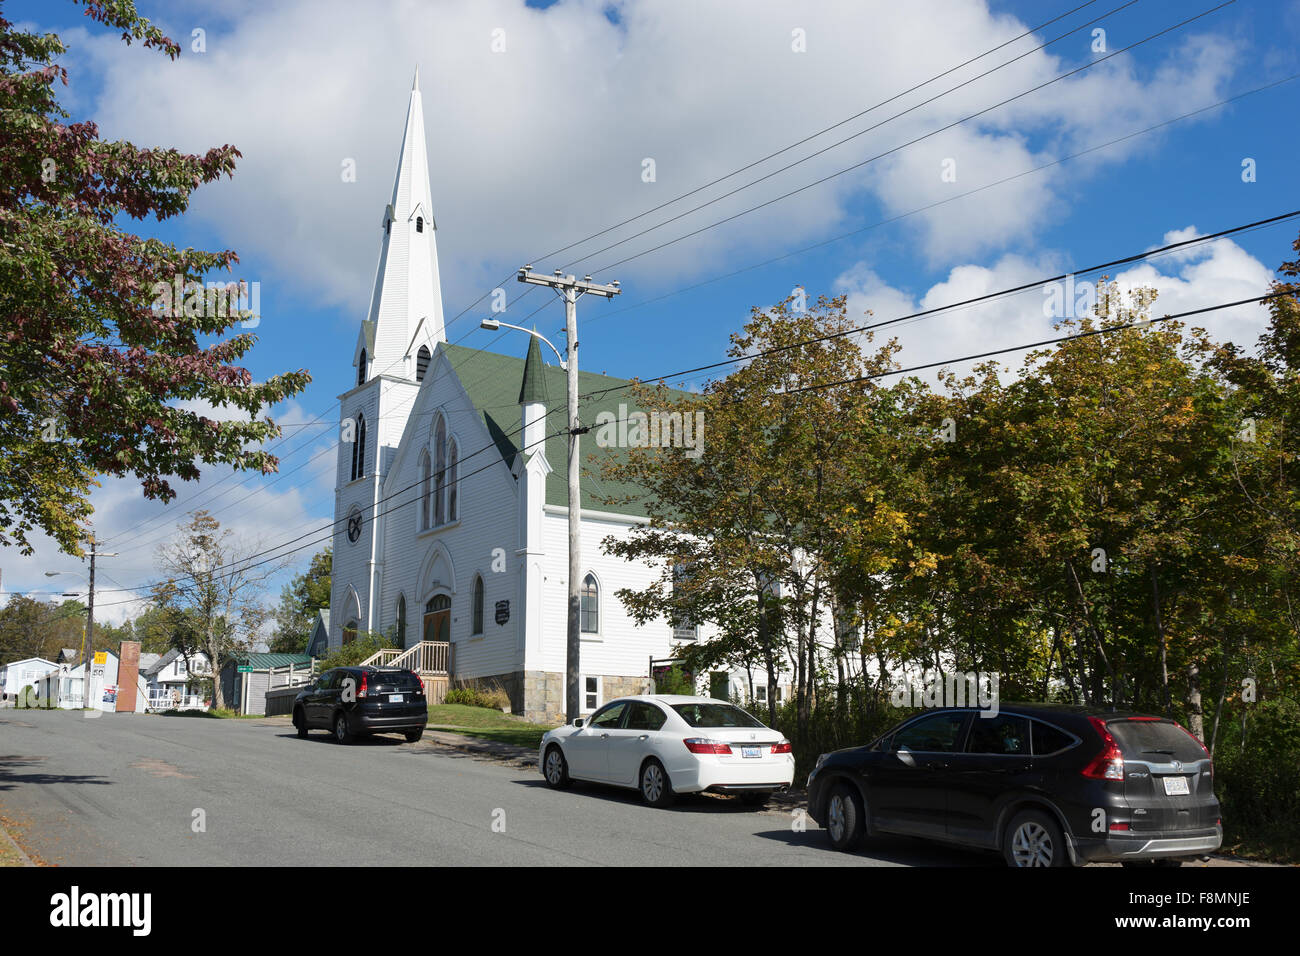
[[352, 701], [1045, 785]]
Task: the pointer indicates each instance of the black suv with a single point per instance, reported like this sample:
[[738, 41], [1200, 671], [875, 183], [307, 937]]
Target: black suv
[[363, 700], [1046, 785]]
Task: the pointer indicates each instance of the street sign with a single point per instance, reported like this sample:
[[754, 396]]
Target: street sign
[[101, 657], [245, 668]]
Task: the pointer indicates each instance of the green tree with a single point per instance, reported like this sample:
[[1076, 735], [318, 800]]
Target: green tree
[[300, 602], [101, 360]]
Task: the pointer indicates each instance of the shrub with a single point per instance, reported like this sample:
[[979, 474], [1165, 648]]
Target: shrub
[[350, 655], [473, 695]]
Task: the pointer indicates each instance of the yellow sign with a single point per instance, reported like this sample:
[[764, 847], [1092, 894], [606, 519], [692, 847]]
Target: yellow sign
[[101, 657]]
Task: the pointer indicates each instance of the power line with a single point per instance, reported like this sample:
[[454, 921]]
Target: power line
[[870, 159], [1139, 324], [942, 202]]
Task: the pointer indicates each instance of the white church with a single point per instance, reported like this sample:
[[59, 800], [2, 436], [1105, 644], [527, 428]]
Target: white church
[[451, 500]]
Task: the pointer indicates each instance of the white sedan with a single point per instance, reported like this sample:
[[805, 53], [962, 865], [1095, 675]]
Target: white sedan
[[665, 745]]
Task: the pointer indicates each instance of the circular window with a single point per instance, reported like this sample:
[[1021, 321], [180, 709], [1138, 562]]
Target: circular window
[[354, 526]]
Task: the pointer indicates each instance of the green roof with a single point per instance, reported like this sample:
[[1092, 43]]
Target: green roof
[[260, 661], [492, 382], [533, 388]]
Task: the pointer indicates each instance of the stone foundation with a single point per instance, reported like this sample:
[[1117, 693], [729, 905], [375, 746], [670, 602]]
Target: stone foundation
[[538, 696]]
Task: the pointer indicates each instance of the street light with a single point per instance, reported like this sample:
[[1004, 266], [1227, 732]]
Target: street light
[[493, 324]]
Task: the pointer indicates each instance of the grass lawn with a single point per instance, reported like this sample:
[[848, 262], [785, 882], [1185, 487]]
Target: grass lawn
[[486, 723]]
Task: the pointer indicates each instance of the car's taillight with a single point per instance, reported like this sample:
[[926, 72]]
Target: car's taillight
[[1109, 764], [361, 691], [1119, 826], [782, 748], [703, 745], [421, 680]]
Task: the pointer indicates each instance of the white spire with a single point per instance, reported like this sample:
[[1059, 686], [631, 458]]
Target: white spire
[[406, 305]]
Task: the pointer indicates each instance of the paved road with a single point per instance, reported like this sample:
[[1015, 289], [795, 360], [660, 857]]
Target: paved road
[[122, 789]]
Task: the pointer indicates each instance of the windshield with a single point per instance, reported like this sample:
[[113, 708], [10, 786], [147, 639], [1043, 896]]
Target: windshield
[[715, 715]]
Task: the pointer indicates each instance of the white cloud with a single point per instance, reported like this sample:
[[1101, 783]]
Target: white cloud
[[1198, 276], [544, 142]]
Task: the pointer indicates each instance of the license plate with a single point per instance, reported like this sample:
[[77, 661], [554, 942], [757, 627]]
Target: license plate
[[395, 698], [751, 751], [1175, 786]]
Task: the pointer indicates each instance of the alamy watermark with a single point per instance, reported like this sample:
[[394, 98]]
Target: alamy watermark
[[938, 688], [215, 299], [654, 429]]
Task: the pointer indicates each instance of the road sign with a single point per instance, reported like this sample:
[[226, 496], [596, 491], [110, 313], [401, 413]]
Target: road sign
[[101, 657], [244, 668]]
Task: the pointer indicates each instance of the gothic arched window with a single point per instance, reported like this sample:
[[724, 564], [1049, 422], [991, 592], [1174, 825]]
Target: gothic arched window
[[401, 620], [590, 612], [440, 471], [419, 224], [361, 369], [359, 448], [422, 362], [478, 605], [426, 491], [453, 468]]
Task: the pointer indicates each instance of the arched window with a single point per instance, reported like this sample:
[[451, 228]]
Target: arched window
[[478, 605], [453, 461], [422, 362], [419, 224], [361, 369], [359, 448], [440, 471], [401, 620], [590, 617], [426, 490]]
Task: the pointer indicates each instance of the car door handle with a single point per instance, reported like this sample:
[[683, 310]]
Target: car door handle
[[644, 737], [604, 736]]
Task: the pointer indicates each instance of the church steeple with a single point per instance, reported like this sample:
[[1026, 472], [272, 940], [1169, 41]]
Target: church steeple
[[406, 304]]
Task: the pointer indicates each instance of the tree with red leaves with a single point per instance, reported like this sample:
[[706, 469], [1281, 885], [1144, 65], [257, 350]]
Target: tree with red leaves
[[96, 355]]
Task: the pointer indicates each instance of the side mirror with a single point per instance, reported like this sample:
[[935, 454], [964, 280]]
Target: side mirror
[[578, 721]]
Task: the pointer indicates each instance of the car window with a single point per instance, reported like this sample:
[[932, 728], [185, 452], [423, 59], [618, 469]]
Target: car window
[[1005, 735], [940, 733], [327, 679], [715, 715], [1048, 740], [643, 716], [610, 716], [1156, 740]]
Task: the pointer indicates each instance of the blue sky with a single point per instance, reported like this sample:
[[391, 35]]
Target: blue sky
[[544, 142]]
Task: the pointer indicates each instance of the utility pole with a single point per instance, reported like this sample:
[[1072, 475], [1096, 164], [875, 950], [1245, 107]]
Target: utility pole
[[569, 288], [89, 642]]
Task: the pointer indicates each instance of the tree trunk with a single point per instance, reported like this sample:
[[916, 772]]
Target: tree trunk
[[1164, 648], [1195, 715]]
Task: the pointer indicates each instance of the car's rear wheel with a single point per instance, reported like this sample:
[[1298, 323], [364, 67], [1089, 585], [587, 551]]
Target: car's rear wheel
[[656, 789], [300, 722], [1034, 839], [343, 728], [556, 768], [845, 817], [414, 734]]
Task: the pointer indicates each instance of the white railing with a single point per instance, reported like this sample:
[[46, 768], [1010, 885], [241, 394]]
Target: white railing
[[426, 657], [169, 701], [291, 675]]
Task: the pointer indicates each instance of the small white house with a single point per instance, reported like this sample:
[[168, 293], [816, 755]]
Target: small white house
[[175, 682], [16, 675], [66, 685]]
